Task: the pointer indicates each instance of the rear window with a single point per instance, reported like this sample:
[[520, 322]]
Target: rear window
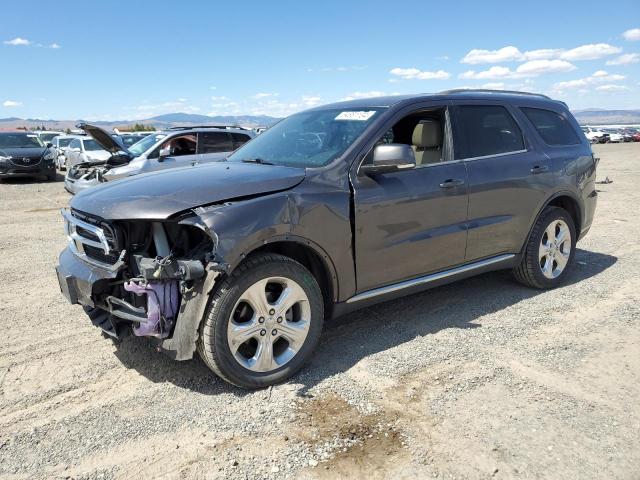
[[552, 127], [486, 130]]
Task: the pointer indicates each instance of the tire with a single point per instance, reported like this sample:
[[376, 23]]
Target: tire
[[545, 262], [232, 316]]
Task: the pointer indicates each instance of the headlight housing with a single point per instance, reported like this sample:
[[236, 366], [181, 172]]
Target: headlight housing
[[49, 154]]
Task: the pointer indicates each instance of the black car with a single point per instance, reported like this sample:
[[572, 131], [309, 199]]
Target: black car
[[23, 154], [330, 210]]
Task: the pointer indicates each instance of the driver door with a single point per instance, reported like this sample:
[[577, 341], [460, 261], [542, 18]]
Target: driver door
[[412, 222]]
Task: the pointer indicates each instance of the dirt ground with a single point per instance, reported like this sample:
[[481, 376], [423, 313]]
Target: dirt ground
[[479, 379]]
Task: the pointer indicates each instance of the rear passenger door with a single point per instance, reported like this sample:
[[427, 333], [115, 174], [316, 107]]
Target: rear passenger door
[[214, 146], [508, 176]]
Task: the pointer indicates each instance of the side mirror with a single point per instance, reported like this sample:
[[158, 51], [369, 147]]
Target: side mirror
[[49, 145], [164, 153], [392, 157]]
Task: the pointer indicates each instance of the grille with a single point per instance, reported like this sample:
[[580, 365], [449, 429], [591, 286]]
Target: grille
[[99, 255], [25, 161], [93, 239]]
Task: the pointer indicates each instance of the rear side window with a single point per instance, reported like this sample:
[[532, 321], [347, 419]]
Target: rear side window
[[214, 142], [239, 139], [552, 127], [486, 130]]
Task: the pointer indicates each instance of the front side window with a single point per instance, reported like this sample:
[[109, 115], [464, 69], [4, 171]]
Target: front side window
[[308, 139], [552, 127], [215, 142], [64, 142], [425, 131], [181, 145], [486, 130], [75, 144], [239, 139]]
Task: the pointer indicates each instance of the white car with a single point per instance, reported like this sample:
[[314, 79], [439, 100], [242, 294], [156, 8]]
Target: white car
[[594, 135], [60, 143], [614, 136], [47, 135], [84, 150]]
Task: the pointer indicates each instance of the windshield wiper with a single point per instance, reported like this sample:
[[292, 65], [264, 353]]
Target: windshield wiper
[[261, 161]]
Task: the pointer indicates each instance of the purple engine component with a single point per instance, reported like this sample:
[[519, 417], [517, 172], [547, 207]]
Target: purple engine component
[[162, 305]]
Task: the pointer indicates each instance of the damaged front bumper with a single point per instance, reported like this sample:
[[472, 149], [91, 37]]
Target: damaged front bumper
[[156, 297]]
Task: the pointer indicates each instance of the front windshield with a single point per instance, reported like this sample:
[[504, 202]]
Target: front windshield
[[19, 140], [308, 139], [91, 145], [145, 144]]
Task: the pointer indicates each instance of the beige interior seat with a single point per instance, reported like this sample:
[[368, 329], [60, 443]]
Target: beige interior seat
[[427, 142]]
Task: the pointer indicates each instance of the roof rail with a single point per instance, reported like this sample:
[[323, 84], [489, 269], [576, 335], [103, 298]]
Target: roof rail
[[486, 90], [189, 127]]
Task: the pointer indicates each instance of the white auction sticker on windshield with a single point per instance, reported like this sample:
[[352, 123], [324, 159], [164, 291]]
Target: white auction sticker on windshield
[[357, 116]]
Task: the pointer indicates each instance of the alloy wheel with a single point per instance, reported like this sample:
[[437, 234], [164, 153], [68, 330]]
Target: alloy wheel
[[555, 249], [269, 324]]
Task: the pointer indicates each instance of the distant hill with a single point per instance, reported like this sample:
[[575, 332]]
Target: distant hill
[[160, 121], [585, 117], [607, 117]]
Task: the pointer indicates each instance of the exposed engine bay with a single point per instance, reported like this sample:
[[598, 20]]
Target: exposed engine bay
[[153, 267]]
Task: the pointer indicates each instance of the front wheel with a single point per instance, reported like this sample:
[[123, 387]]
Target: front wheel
[[263, 322], [549, 250]]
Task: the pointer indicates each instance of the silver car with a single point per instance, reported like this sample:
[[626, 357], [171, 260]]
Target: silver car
[[60, 143], [175, 147]]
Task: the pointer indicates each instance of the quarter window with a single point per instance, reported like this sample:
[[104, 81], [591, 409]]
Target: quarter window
[[552, 127], [215, 142], [486, 130]]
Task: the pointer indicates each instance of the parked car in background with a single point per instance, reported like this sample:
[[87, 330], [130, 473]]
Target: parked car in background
[[60, 143], [22, 154], [330, 210], [630, 135], [47, 135], [128, 139], [85, 150], [595, 135], [176, 147], [613, 136]]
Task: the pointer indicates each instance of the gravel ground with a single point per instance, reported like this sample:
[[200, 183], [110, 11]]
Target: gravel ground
[[479, 379]]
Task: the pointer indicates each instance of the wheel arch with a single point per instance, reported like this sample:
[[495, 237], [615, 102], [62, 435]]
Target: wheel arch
[[308, 254], [565, 200]]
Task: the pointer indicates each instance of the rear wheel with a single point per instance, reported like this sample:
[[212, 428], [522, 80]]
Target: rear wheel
[[263, 323], [549, 250]]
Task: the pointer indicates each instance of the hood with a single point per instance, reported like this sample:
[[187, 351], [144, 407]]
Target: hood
[[159, 195], [104, 138], [35, 152]]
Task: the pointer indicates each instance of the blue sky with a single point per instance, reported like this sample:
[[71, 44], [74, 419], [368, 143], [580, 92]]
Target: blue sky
[[115, 60]]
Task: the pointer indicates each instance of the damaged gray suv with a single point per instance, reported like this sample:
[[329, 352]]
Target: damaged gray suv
[[330, 210]]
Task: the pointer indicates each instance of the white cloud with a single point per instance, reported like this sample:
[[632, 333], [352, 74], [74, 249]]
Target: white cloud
[[592, 51], [542, 54], [612, 88], [625, 59], [632, 35], [537, 67], [416, 74], [528, 69], [18, 42], [11, 103], [310, 100], [55, 46], [597, 77], [493, 72], [494, 86], [258, 96], [370, 94], [504, 54]]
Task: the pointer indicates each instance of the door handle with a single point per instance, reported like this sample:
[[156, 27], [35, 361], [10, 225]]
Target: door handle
[[539, 169], [451, 183]]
